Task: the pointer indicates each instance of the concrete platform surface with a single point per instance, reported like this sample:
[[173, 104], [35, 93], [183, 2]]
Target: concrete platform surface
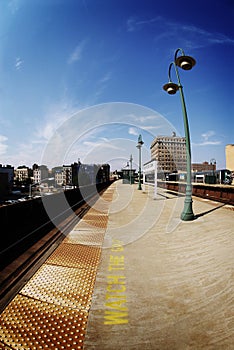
[[131, 275], [162, 283]]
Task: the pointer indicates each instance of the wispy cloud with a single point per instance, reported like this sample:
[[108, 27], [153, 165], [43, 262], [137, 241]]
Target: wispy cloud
[[102, 143], [192, 36], [105, 78], [43, 128], [151, 127], [134, 24], [133, 131], [210, 143], [55, 116], [200, 37], [207, 139], [208, 134], [102, 84], [18, 63], [3, 145], [145, 118], [77, 52]]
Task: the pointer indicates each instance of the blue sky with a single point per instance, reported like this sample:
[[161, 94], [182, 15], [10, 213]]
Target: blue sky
[[61, 58]]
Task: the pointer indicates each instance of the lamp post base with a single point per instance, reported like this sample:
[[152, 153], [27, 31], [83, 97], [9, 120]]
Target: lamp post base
[[187, 213]]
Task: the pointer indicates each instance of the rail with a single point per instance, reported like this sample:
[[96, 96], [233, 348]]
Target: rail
[[219, 193]]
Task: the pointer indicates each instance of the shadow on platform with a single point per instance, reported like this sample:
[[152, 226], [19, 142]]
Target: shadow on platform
[[209, 211]]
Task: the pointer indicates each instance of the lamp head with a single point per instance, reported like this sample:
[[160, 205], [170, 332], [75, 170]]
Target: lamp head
[[185, 62], [171, 88], [140, 141]]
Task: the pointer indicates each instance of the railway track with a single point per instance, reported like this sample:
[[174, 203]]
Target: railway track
[[21, 267]]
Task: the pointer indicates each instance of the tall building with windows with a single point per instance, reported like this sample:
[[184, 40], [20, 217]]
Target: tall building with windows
[[23, 174], [40, 172], [170, 153]]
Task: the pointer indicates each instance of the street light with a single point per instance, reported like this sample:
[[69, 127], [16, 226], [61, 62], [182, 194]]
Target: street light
[[131, 159], [213, 163], [186, 63], [139, 145]]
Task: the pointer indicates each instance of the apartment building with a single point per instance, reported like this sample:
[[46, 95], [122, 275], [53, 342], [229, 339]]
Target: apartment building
[[40, 172], [57, 174], [22, 174], [170, 153]]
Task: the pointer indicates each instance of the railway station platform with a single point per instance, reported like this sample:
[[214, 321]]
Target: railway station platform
[[131, 275]]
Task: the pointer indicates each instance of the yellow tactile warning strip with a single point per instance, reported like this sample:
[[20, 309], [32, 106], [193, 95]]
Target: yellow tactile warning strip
[[51, 310], [86, 237], [33, 324], [77, 286], [75, 255]]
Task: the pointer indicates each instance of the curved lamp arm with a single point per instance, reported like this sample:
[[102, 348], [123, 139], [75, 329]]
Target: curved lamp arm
[[179, 50]]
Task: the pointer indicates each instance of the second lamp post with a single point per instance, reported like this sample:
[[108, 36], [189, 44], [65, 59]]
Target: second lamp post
[[139, 145]]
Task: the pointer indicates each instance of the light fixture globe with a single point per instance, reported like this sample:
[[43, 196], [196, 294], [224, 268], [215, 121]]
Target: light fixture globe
[[185, 62], [171, 88]]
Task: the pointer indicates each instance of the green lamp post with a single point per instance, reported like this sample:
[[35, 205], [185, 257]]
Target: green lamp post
[[186, 63], [131, 159], [139, 145]]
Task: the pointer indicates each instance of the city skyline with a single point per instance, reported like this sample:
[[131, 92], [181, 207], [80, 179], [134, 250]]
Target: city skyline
[[60, 59]]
